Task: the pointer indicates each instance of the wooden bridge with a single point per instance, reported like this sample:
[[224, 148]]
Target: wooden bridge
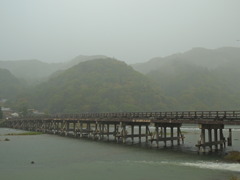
[[152, 127]]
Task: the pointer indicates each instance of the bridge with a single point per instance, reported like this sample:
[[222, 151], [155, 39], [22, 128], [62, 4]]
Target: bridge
[[152, 127]]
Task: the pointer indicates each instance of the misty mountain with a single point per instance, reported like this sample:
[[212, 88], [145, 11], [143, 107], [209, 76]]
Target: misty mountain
[[102, 85], [10, 86], [35, 70], [198, 56], [30, 69], [199, 79], [81, 58], [199, 88]]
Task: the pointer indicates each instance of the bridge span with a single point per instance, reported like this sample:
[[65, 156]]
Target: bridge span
[[152, 127]]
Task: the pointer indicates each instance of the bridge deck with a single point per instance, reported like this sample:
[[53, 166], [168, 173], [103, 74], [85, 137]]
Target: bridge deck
[[188, 117]]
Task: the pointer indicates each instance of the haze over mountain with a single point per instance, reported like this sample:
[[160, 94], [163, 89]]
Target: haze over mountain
[[36, 70], [101, 85], [197, 88], [29, 69], [10, 86], [199, 79], [210, 58]]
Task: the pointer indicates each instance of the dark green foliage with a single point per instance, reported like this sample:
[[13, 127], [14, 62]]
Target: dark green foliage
[[10, 86], [103, 85], [196, 80], [200, 79], [198, 88]]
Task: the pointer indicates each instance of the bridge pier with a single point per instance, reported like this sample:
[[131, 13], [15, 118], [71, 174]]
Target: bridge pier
[[81, 129], [115, 132], [108, 131], [88, 130], [77, 130], [164, 136], [157, 135], [74, 129], [172, 136], [65, 129], [229, 139], [101, 132], [132, 133], [121, 132], [147, 133], [210, 138], [140, 133], [218, 142], [96, 131], [124, 133]]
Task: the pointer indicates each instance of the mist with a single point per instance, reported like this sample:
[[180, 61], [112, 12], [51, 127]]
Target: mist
[[129, 30]]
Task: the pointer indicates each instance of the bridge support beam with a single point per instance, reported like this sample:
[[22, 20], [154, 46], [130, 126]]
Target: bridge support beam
[[140, 133], [124, 133], [132, 133], [108, 131], [164, 135], [229, 139], [218, 142], [81, 129], [115, 132], [147, 133], [157, 135]]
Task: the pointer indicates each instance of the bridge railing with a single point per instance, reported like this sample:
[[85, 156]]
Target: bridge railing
[[176, 115]]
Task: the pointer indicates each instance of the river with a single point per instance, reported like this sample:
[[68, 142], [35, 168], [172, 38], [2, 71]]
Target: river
[[62, 158]]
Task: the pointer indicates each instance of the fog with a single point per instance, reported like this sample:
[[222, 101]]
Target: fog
[[129, 30]]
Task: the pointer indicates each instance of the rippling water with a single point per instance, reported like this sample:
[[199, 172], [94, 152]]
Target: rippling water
[[63, 158]]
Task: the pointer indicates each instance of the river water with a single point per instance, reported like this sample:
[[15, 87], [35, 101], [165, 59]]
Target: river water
[[62, 158]]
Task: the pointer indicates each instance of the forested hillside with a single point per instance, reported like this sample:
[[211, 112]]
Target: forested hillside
[[210, 84], [35, 71], [102, 85], [209, 58], [10, 86], [30, 70], [199, 79]]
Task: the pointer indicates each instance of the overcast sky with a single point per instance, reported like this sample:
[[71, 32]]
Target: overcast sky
[[129, 30]]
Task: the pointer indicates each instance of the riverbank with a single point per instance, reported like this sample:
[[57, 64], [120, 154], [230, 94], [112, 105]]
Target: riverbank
[[233, 156], [24, 134]]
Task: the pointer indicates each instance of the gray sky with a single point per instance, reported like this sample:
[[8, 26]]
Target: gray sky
[[129, 30]]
